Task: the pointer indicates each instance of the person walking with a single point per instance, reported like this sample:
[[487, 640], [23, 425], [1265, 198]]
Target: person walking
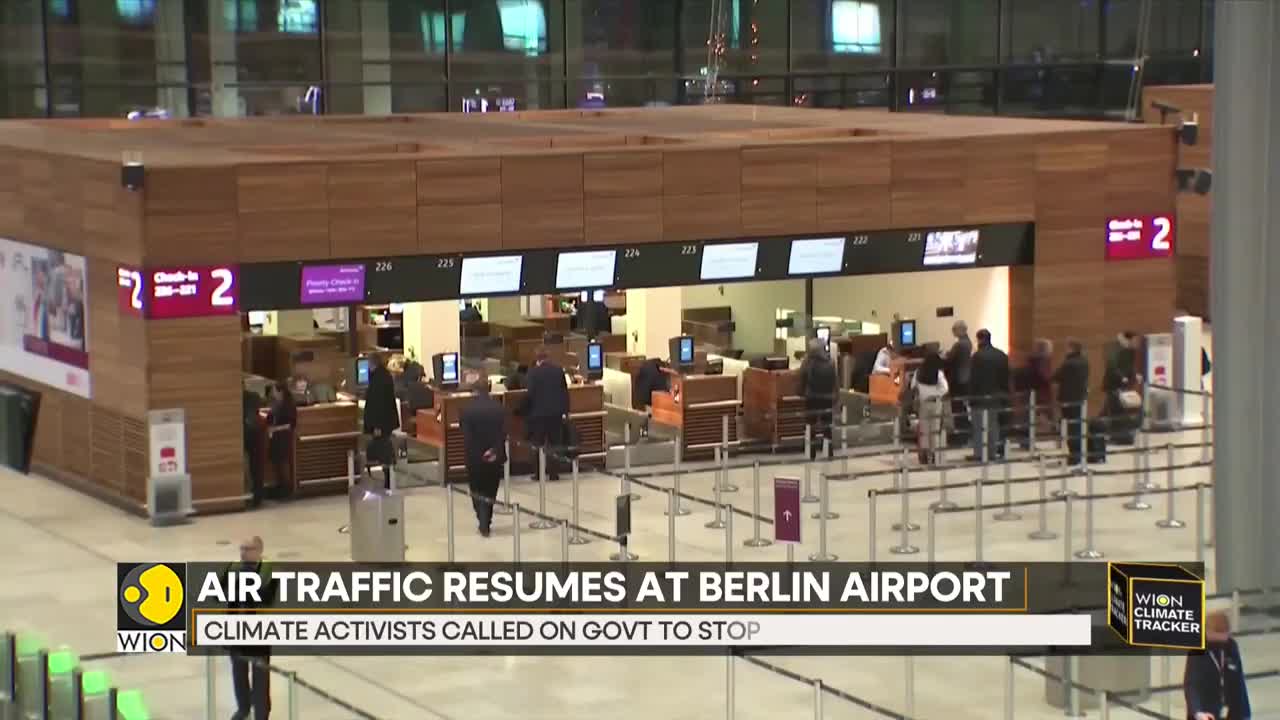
[[818, 386], [546, 407], [484, 441], [1213, 682], [1072, 379], [930, 385], [381, 419], [989, 387], [250, 671], [281, 421]]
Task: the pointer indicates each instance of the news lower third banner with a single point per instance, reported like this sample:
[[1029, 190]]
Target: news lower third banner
[[660, 608]]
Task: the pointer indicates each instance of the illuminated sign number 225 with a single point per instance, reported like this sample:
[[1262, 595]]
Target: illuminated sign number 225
[[221, 295], [1160, 241]]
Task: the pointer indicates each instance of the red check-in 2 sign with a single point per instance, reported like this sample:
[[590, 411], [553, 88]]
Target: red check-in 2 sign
[[1139, 237], [179, 292]]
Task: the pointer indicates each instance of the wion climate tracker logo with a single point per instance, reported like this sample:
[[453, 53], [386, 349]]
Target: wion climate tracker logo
[[1156, 606], [151, 608]]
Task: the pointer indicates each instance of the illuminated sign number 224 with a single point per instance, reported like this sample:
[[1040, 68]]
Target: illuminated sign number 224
[[1160, 241], [221, 295]]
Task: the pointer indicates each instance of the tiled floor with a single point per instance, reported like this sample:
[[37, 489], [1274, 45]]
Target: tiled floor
[[63, 546]]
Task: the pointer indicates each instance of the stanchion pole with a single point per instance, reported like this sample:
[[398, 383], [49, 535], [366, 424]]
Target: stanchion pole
[[578, 538], [564, 542], [1069, 684], [1145, 452], [818, 714], [724, 433], [871, 523], [448, 517], [725, 485], [909, 685], [1206, 411], [1031, 421], [1066, 528], [678, 508], [717, 522], [1200, 544], [824, 509], [904, 525], [1137, 503], [626, 463], [292, 686], [1042, 532], [808, 495], [932, 545], [1084, 433], [1089, 552], [822, 555], [1063, 490], [942, 503], [515, 533], [1166, 679], [1008, 514], [211, 689], [1062, 433], [729, 691], [1170, 520], [844, 439], [986, 438], [351, 469], [505, 507], [728, 533], [1008, 686], [938, 443], [541, 522], [977, 518], [756, 540], [1104, 705]]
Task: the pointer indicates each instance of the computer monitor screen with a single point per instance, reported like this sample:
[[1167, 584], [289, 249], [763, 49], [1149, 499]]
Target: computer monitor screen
[[906, 333], [493, 275], [595, 356], [824, 334], [730, 261], [257, 317], [686, 350], [589, 268], [598, 296], [447, 371], [816, 257], [951, 247], [362, 371], [396, 308]]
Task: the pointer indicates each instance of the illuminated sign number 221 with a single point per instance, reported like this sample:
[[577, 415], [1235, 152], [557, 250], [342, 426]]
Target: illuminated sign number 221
[[1160, 241], [221, 296]]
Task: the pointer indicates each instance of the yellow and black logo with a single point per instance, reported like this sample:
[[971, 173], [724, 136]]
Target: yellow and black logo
[[151, 606]]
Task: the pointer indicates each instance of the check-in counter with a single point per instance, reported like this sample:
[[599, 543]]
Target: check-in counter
[[696, 406], [887, 389], [325, 434], [438, 426], [772, 407]]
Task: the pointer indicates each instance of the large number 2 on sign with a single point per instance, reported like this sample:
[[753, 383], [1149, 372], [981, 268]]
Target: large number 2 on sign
[[225, 279], [135, 297], [1160, 242]]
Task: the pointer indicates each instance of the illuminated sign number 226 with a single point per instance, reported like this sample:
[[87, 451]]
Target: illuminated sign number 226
[[1160, 241], [221, 295]]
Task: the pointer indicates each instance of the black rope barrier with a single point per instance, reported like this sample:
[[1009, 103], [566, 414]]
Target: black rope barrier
[[835, 692]]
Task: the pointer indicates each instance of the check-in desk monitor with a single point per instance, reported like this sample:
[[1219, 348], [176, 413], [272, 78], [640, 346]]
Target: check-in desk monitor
[[446, 368], [904, 334], [681, 352], [823, 333], [363, 366], [595, 361]]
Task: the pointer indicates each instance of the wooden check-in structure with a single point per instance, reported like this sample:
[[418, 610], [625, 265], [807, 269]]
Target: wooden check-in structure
[[261, 190]]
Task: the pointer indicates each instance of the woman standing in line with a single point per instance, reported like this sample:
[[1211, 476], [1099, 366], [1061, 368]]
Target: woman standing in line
[[930, 386]]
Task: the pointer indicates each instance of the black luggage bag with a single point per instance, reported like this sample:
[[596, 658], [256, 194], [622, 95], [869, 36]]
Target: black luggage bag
[[1097, 448]]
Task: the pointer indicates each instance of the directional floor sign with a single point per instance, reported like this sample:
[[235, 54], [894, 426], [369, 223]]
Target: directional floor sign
[[786, 509]]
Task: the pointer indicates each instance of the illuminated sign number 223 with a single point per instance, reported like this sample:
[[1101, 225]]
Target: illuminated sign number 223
[[1160, 241], [221, 295]]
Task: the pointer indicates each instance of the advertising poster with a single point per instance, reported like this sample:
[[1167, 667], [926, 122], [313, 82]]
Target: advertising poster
[[43, 321]]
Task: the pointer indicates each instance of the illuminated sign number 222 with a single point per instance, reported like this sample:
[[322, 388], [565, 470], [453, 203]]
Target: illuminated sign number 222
[[221, 296], [1160, 241]]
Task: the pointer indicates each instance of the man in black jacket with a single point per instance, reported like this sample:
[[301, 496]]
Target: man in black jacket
[[989, 386], [249, 665], [381, 418], [1072, 379], [546, 407], [648, 379], [957, 360], [253, 444], [484, 440], [818, 386]]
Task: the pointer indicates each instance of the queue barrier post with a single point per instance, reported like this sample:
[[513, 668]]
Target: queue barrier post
[[905, 526], [351, 469], [725, 485], [931, 546], [1008, 689], [822, 555], [1166, 679], [824, 510], [1063, 489], [564, 542], [1145, 451], [1104, 705], [540, 522], [504, 508], [1031, 420], [1206, 412], [756, 540], [1069, 684], [578, 538], [210, 688], [515, 533], [728, 533], [730, 692], [1200, 520], [1139, 484], [818, 692], [716, 523], [871, 523], [626, 463], [844, 439], [292, 692], [808, 496], [1170, 521], [1042, 532], [1067, 529], [1089, 552], [909, 686], [449, 522], [977, 518], [678, 508], [671, 524], [1008, 514], [1084, 434]]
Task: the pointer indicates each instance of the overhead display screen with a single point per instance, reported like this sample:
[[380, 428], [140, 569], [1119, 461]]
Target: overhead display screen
[[587, 269], [491, 275], [732, 261], [816, 257], [659, 264], [1139, 237], [405, 279], [951, 247], [332, 284]]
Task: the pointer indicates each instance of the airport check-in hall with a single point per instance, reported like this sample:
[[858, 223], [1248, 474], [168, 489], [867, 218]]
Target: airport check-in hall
[[278, 333]]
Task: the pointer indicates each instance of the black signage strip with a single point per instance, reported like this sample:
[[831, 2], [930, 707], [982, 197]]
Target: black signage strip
[[418, 278]]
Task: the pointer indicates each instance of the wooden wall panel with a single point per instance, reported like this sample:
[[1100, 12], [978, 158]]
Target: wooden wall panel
[[188, 191], [272, 188], [527, 179], [12, 209], [702, 172], [1140, 295], [368, 185], [1068, 301], [1000, 182], [622, 174], [1195, 218], [284, 235], [779, 189], [1192, 278], [195, 365], [1140, 167], [112, 221], [854, 181], [545, 224], [623, 220], [459, 228], [1022, 306], [929, 182], [461, 181], [117, 346], [374, 232], [1071, 199], [205, 238], [699, 217]]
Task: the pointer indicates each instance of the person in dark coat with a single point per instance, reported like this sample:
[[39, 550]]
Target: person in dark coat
[[1037, 376], [253, 443], [1072, 379], [957, 363], [1214, 682], [281, 421], [989, 387], [484, 440], [649, 379], [546, 407], [818, 386], [1120, 375], [381, 418], [250, 674]]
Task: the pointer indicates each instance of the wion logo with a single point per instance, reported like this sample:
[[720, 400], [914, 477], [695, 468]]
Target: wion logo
[[1156, 606], [151, 608]]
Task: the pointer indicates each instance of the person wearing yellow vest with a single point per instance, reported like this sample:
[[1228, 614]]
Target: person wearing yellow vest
[[250, 673]]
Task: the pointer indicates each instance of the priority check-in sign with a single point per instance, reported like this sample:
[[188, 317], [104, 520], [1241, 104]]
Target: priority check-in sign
[[786, 510]]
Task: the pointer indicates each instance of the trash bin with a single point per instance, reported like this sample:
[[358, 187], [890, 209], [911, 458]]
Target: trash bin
[[377, 523], [1114, 673]]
